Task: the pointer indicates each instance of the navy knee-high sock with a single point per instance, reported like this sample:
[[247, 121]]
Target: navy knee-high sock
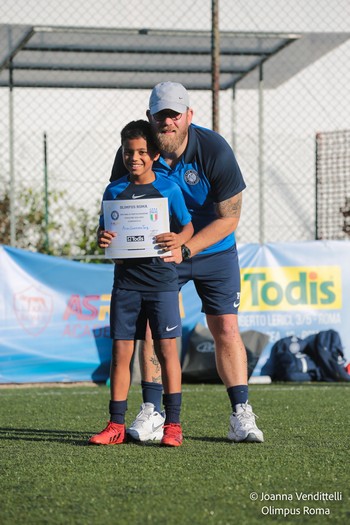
[[172, 405], [238, 395], [152, 393], [117, 411]]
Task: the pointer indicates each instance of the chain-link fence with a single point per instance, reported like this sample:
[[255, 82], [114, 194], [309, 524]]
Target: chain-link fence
[[270, 116]]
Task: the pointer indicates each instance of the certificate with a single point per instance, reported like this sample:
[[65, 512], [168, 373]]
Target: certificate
[[136, 223]]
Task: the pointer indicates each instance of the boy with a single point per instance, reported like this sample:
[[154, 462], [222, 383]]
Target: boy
[[145, 288]]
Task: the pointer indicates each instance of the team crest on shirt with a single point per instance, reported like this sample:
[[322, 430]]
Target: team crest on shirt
[[191, 177]]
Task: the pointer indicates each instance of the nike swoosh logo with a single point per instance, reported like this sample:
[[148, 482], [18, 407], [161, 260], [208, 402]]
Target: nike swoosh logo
[[236, 305], [138, 196], [155, 427], [169, 329]]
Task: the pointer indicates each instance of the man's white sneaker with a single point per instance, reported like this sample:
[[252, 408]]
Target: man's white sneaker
[[148, 425], [243, 427]]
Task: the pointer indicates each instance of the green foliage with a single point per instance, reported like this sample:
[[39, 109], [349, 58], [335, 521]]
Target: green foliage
[[50, 476], [70, 232]]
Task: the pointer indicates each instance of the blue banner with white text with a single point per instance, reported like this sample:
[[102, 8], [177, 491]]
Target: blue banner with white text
[[54, 313]]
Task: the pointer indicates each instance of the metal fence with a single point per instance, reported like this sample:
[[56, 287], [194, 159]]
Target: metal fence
[[271, 116]]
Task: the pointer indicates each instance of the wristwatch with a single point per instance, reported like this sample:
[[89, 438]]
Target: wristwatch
[[185, 252]]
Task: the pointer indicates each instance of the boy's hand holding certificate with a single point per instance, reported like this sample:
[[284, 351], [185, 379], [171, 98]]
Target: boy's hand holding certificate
[[136, 223]]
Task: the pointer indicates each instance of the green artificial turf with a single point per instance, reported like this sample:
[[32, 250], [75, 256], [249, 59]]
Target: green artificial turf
[[50, 476]]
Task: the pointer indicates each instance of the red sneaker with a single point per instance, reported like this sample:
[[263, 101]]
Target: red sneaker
[[113, 434], [172, 436]]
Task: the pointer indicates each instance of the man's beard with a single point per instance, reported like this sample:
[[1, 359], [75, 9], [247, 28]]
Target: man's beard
[[170, 143]]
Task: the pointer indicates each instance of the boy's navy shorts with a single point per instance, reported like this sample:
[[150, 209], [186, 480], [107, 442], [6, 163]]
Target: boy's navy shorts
[[216, 277], [130, 310]]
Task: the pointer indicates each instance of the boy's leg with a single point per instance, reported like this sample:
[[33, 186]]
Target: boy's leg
[[171, 376], [165, 323], [122, 352], [115, 432], [166, 350], [162, 309], [124, 313]]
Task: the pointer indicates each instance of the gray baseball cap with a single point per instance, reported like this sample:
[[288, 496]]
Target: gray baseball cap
[[169, 95]]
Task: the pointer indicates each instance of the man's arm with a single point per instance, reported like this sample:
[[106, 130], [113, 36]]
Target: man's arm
[[228, 215]]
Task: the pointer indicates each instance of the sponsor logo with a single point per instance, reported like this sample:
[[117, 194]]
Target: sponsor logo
[[84, 314], [291, 288], [33, 309], [138, 196], [135, 238], [206, 347], [170, 328], [191, 177]]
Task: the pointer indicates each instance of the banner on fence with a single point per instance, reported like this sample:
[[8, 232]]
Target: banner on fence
[[54, 313]]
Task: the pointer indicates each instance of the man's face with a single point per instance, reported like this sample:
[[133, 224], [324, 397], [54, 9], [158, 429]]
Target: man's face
[[170, 128]]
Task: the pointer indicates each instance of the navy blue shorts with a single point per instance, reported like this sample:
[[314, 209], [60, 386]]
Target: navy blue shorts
[[130, 310], [216, 277]]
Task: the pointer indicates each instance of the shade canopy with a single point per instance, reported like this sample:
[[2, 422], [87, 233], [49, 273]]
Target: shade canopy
[[86, 57]]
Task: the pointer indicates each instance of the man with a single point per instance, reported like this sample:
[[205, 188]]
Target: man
[[202, 163]]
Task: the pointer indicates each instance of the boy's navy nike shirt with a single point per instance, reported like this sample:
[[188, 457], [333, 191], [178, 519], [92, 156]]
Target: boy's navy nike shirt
[[207, 173], [148, 273]]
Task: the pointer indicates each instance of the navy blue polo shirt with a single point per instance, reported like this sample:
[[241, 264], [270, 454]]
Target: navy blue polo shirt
[[148, 273], [207, 173]]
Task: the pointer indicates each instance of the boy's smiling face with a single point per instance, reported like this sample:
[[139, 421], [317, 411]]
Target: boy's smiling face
[[138, 158]]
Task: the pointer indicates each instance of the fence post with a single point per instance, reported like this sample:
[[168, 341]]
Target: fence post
[[46, 194], [12, 161], [215, 63]]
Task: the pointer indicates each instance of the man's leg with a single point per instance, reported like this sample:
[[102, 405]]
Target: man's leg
[[231, 356], [231, 362], [148, 424], [151, 378], [149, 364]]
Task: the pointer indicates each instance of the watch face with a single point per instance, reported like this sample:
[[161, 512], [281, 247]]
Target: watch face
[[186, 252]]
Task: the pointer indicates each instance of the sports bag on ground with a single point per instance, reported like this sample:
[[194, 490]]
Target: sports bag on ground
[[289, 361], [326, 350]]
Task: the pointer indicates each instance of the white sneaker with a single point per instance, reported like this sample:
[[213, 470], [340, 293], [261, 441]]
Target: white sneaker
[[243, 426], [148, 425]]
